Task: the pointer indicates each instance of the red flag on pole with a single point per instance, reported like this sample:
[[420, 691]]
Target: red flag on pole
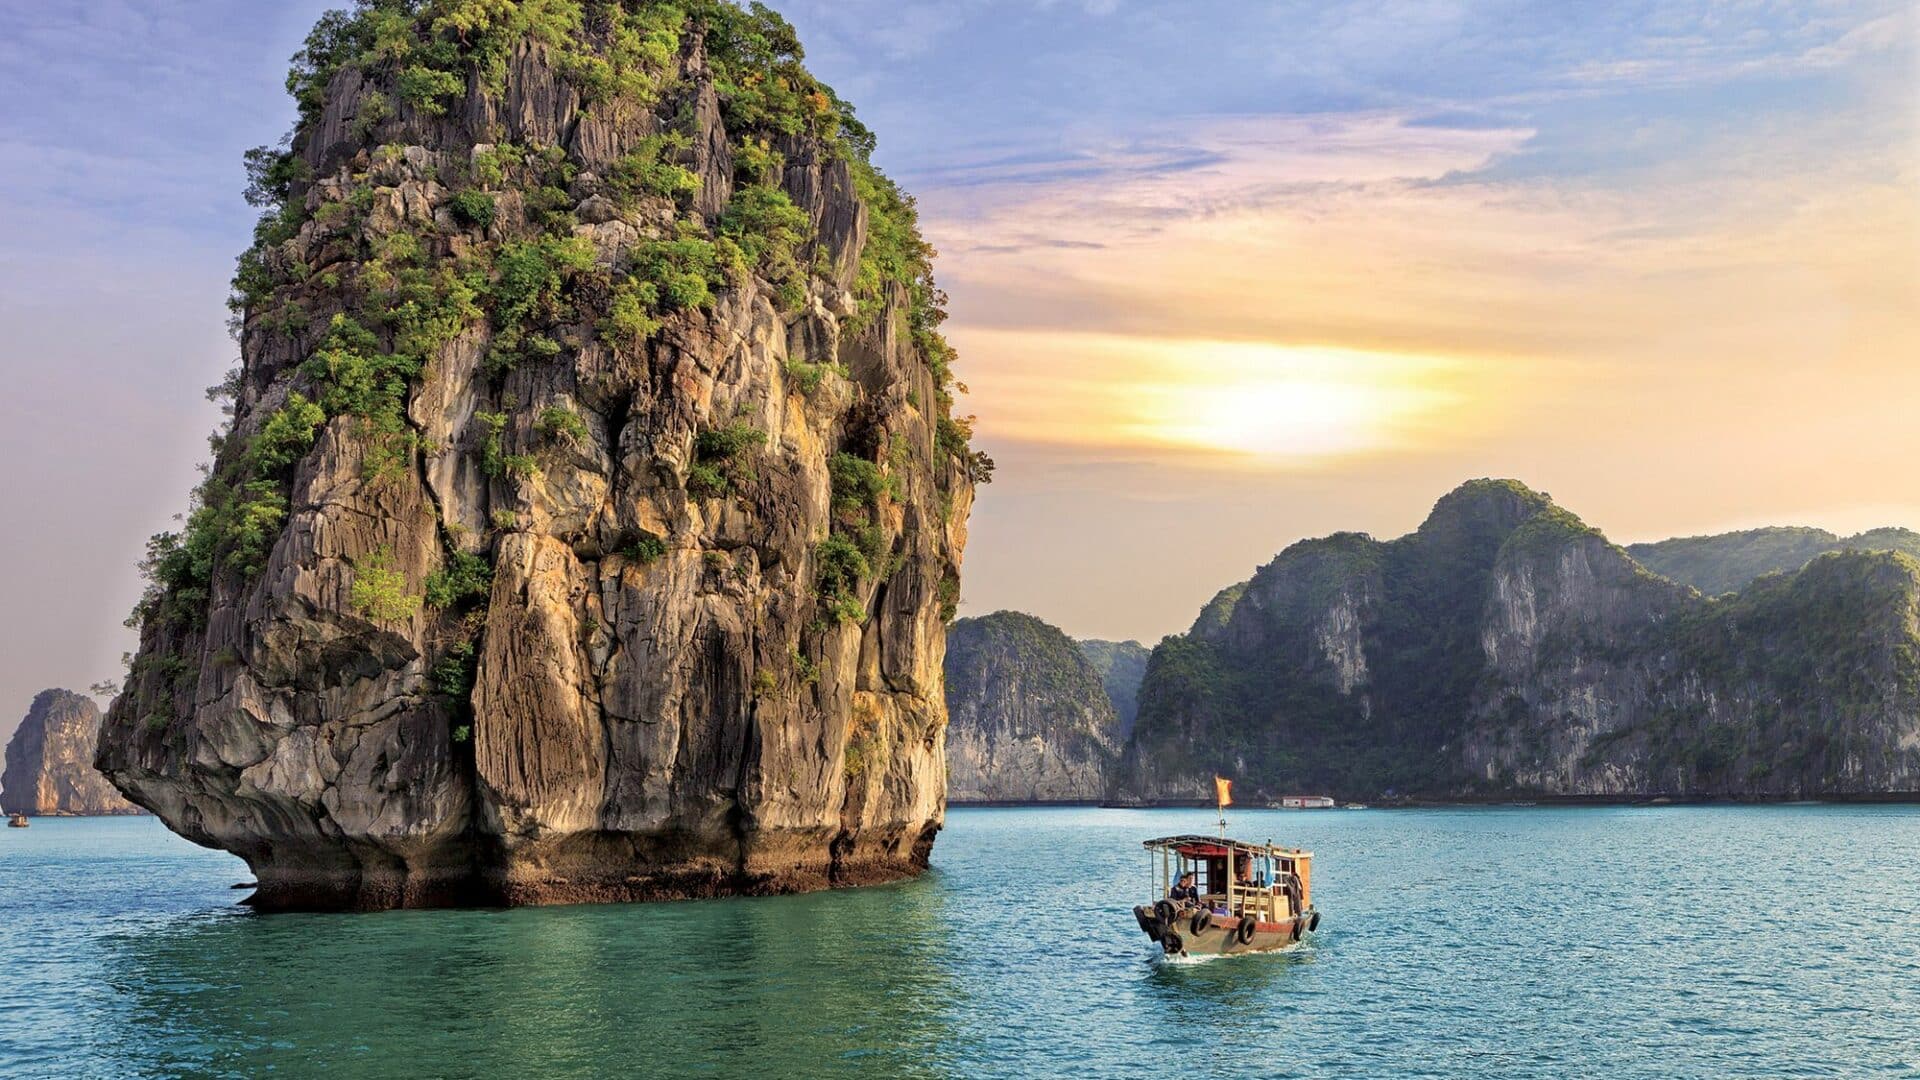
[[1223, 791]]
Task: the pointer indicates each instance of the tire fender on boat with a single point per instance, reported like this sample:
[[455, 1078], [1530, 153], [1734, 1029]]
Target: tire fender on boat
[[1245, 930], [1148, 924], [1315, 924], [1164, 911], [1299, 926], [1200, 921], [1171, 942]]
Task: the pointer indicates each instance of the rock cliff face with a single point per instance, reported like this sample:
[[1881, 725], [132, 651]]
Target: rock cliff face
[[1121, 664], [1507, 648], [592, 508], [1730, 561], [49, 765], [1031, 721]]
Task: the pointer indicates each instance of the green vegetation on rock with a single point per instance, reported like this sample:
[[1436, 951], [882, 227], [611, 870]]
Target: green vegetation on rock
[[721, 460], [466, 577], [380, 592], [1729, 561], [494, 459], [562, 425], [650, 170]]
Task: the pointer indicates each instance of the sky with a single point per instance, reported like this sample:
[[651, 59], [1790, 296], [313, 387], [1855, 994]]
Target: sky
[[1223, 274]]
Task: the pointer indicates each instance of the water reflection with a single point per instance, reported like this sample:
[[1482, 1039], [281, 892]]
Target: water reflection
[[809, 985]]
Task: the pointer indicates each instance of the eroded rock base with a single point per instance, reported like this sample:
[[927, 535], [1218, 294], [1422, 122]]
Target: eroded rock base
[[577, 873]]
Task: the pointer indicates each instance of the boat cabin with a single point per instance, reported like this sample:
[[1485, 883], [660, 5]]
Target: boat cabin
[[1235, 878]]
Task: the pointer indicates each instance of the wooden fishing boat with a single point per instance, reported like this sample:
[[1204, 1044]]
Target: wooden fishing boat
[[16, 821], [1244, 897]]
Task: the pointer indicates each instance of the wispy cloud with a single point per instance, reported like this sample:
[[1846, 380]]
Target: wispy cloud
[[1701, 56], [1191, 171]]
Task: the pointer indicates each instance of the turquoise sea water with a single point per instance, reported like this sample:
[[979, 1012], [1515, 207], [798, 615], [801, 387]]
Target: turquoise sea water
[[1629, 942]]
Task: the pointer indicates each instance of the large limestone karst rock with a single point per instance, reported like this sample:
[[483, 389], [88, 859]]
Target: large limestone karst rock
[[1031, 720], [593, 506], [49, 763], [1506, 648]]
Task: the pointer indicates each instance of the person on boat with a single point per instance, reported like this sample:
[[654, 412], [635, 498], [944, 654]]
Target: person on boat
[[1183, 891], [1290, 885]]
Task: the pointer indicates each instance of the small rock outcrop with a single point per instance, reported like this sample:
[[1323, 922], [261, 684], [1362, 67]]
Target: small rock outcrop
[[594, 502], [1030, 721], [1506, 648], [49, 763]]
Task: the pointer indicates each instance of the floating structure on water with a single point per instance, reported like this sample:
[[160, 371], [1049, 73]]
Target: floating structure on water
[[16, 821], [1303, 802], [1215, 896]]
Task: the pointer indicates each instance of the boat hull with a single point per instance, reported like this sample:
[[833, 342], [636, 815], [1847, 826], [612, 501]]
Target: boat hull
[[1199, 933]]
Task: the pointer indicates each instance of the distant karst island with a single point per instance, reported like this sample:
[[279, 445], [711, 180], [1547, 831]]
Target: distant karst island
[[1034, 716], [49, 762], [1504, 649]]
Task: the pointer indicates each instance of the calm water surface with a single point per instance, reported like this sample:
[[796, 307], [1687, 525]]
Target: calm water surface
[[1655, 942]]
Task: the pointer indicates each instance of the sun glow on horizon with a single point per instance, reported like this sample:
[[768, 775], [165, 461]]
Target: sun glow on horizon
[[1283, 403], [1246, 404]]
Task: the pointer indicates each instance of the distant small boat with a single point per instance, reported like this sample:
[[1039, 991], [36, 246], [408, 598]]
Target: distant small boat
[[16, 821], [1303, 802], [1355, 806]]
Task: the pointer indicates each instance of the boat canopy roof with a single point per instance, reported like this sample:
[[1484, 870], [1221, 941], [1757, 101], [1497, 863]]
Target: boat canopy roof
[[1204, 846]]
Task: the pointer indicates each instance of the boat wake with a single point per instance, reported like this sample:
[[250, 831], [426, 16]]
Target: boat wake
[[1190, 960], [1167, 960]]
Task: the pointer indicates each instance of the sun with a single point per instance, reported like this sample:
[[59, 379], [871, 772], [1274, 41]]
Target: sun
[[1239, 404], [1275, 403]]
